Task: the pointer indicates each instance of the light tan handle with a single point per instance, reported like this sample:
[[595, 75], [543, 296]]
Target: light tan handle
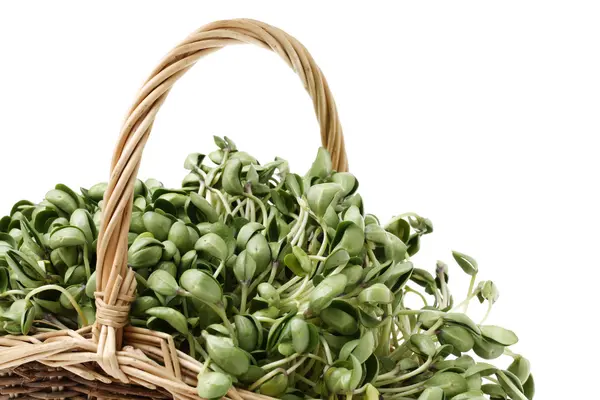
[[115, 281]]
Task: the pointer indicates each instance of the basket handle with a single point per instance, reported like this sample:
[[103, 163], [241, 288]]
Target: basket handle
[[115, 281]]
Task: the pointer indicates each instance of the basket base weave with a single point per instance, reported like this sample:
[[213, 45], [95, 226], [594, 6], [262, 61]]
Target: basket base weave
[[65, 365], [37, 381]]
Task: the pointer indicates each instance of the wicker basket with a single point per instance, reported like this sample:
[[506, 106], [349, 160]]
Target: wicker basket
[[112, 359]]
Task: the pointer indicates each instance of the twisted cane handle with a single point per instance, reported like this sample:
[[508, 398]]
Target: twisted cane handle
[[115, 281]]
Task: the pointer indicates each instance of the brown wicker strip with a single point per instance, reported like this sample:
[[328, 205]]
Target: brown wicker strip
[[109, 394], [50, 373], [71, 396], [120, 389], [12, 380], [50, 383], [54, 395], [17, 390]]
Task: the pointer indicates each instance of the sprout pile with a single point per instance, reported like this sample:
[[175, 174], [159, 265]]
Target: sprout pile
[[275, 282]]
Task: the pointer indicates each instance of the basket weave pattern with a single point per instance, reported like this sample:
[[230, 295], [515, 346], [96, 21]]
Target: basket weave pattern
[[112, 359]]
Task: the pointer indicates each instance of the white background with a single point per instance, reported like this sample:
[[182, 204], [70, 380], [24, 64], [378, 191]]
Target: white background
[[482, 116]]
